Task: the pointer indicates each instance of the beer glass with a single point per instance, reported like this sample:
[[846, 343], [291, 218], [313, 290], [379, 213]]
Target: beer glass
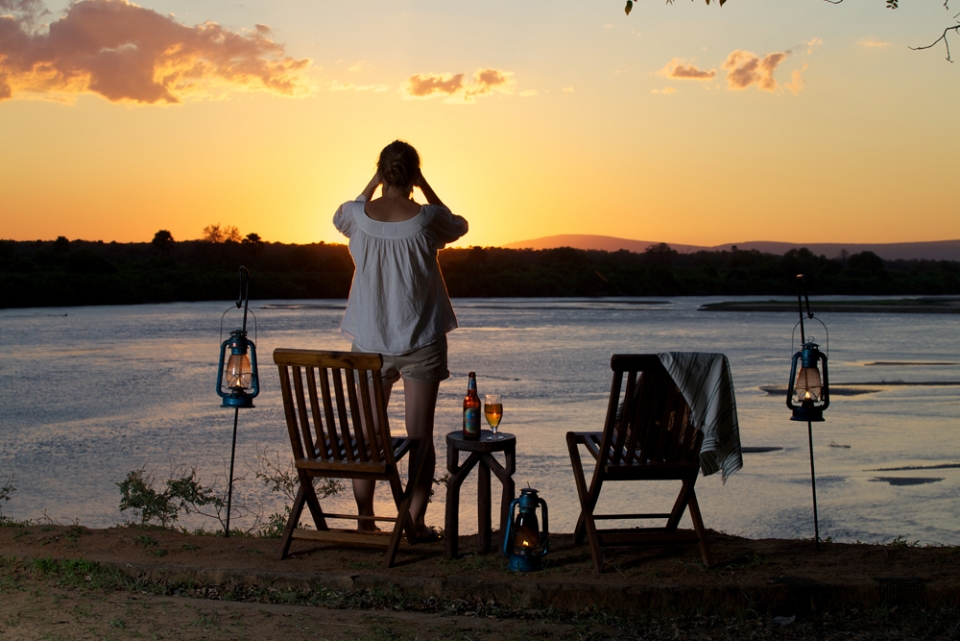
[[493, 410]]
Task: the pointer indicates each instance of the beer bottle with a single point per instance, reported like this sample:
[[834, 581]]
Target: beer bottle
[[471, 410]]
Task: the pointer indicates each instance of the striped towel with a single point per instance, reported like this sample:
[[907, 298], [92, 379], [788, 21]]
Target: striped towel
[[706, 384]]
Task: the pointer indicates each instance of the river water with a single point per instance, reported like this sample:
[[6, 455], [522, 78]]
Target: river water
[[89, 394]]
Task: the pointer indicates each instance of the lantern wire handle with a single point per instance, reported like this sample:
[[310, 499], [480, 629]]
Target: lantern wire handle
[[804, 296], [826, 331]]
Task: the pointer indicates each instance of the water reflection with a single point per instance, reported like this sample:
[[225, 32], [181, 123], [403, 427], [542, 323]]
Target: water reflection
[[89, 394]]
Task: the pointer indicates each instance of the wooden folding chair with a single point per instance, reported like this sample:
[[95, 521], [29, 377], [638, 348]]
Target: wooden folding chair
[[647, 436], [336, 415]]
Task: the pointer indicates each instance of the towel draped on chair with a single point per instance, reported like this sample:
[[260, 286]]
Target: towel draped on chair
[[706, 384]]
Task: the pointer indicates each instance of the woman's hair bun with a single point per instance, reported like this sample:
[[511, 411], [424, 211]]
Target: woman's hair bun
[[399, 164]]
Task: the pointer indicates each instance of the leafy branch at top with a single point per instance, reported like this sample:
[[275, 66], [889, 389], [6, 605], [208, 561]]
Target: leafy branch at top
[[890, 4], [946, 43]]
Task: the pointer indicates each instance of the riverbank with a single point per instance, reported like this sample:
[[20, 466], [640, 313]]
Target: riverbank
[[755, 582], [940, 305]]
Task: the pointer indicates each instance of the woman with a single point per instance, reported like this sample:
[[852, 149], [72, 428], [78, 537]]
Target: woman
[[398, 303]]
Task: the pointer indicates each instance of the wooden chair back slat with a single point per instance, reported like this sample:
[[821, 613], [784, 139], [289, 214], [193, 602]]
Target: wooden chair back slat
[[607, 441], [320, 442], [331, 438], [371, 420], [343, 422], [356, 423], [648, 417], [289, 411], [629, 425], [621, 428], [306, 438]]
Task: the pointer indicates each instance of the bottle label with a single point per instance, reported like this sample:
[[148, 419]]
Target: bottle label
[[471, 421]]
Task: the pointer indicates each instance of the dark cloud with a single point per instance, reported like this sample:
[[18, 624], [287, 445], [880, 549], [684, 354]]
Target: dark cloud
[[26, 11], [127, 53]]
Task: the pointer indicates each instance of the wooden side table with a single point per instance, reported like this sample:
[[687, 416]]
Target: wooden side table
[[480, 452]]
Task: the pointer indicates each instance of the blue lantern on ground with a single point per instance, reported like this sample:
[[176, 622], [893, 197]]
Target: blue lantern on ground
[[524, 543]]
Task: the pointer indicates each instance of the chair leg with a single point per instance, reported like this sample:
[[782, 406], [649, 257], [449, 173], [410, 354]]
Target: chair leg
[[403, 517], [294, 517], [404, 520], [588, 501], [680, 504], [313, 502], [577, 464], [701, 530]]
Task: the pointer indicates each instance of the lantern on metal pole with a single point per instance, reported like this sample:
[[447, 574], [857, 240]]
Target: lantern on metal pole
[[524, 543], [808, 393], [237, 380]]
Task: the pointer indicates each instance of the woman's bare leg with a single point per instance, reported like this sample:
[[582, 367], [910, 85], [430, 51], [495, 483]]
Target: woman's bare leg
[[363, 488], [420, 401]]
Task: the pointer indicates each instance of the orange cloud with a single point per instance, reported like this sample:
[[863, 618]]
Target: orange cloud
[[746, 69], [454, 88], [796, 81], [426, 85], [678, 69], [127, 53]]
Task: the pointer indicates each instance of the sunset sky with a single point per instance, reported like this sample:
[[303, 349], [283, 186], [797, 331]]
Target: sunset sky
[[794, 120]]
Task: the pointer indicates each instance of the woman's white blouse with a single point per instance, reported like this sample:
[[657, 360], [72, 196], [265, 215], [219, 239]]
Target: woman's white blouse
[[398, 300]]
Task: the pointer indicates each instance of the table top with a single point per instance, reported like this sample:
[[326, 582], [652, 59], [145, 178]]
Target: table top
[[484, 444]]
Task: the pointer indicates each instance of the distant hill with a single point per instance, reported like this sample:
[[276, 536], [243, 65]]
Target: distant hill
[[933, 250]]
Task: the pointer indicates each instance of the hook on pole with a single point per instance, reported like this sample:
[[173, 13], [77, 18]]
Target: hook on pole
[[243, 298]]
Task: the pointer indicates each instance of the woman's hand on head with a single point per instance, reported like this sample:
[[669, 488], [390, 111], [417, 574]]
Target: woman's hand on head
[[371, 187], [427, 190]]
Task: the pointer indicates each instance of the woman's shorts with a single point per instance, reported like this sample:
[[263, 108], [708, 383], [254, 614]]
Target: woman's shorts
[[425, 365]]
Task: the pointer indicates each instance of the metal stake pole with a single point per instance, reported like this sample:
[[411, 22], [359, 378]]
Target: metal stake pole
[[233, 450], [813, 484]]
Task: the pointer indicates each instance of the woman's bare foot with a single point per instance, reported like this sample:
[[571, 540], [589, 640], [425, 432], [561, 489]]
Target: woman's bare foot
[[426, 534], [365, 525]]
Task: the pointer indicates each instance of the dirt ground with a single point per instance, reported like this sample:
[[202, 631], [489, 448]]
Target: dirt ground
[[76, 583]]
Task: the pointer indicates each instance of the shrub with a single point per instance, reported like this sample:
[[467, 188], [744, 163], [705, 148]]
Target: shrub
[[181, 493]]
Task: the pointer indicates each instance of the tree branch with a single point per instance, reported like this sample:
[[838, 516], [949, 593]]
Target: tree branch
[[946, 42]]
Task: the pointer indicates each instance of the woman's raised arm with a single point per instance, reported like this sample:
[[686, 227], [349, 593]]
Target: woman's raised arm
[[428, 192], [372, 186]]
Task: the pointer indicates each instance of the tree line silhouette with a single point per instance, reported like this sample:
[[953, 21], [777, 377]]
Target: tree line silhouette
[[68, 273]]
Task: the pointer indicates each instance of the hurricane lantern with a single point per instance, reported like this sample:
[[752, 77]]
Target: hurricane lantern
[[237, 380], [524, 543], [808, 394]]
